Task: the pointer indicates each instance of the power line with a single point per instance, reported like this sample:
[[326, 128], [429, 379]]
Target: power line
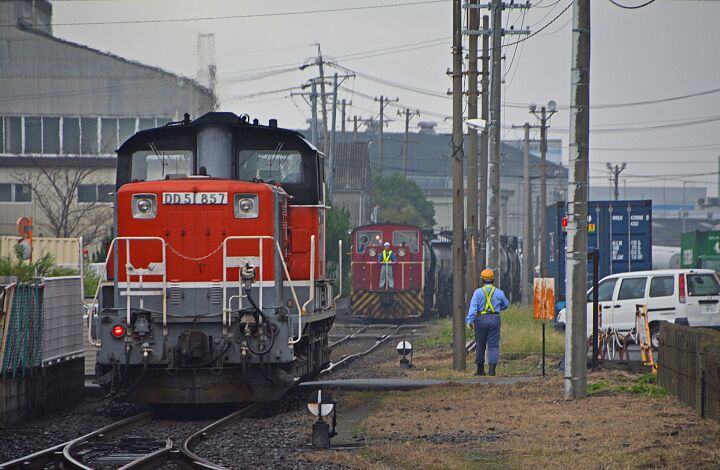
[[247, 16], [631, 7], [540, 30]]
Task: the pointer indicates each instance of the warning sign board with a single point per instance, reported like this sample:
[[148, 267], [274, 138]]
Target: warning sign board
[[544, 298]]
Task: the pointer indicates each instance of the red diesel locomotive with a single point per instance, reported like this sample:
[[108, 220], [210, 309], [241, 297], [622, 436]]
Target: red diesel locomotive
[[373, 295], [216, 286]]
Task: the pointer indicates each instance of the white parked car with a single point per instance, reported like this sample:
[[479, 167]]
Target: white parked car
[[687, 296]]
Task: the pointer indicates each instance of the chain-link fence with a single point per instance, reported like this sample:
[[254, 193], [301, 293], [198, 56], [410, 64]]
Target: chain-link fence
[[23, 326]]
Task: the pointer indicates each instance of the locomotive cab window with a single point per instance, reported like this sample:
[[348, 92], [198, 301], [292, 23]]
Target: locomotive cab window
[[149, 165], [408, 238], [367, 238], [282, 166]]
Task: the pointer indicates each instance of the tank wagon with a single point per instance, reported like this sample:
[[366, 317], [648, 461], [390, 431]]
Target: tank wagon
[[216, 286]]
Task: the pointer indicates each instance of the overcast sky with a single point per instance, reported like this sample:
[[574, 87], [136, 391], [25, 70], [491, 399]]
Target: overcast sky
[[664, 50]]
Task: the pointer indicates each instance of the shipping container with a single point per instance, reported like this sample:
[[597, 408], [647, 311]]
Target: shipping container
[[620, 230], [700, 249]]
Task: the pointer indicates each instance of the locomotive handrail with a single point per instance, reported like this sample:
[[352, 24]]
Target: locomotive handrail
[[98, 343], [311, 295], [226, 307], [340, 273], [260, 238], [402, 271]]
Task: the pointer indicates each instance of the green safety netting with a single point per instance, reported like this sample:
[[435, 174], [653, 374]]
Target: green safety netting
[[22, 347]]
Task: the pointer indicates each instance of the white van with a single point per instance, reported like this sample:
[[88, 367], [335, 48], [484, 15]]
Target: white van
[[687, 296]]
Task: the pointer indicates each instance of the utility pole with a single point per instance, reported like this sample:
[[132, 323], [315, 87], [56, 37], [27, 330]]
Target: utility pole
[[331, 150], [493, 235], [355, 127], [342, 117], [577, 211], [383, 102], [408, 116], [616, 177], [527, 222], [323, 96], [544, 118], [313, 108], [484, 109], [472, 148], [458, 262]]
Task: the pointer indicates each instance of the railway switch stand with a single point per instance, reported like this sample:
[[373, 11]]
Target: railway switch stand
[[404, 349], [322, 404]]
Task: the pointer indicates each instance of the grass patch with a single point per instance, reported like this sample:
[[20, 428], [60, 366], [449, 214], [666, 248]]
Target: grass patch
[[645, 385], [519, 333]]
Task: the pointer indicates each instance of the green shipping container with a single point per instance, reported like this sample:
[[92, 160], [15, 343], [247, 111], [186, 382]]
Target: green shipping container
[[700, 249]]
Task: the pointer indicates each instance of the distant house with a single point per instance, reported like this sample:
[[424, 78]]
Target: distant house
[[64, 109]]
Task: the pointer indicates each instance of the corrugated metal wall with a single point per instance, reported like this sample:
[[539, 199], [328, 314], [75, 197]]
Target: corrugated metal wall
[[65, 250], [63, 306]]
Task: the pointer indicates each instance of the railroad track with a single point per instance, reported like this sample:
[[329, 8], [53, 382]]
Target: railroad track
[[70, 454], [346, 360]]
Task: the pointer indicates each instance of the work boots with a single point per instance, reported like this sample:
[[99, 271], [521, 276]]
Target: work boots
[[480, 369], [491, 371]]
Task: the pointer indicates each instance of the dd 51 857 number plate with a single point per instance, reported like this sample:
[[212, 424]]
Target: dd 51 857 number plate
[[194, 198]]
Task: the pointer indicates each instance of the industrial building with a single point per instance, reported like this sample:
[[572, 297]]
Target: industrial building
[[64, 109]]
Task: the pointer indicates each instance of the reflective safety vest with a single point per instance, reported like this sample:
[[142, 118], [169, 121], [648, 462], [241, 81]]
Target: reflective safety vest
[[386, 257], [488, 305]]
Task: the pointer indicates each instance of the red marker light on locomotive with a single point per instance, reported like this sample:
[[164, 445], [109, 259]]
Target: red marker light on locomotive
[[564, 223], [118, 331]]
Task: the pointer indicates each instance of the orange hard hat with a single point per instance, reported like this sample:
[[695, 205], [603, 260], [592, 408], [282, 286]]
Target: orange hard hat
[[487, 275]]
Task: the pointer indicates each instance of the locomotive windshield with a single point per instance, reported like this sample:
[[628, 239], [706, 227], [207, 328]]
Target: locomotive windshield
[[283, 166], [149, 165], [406, 237]]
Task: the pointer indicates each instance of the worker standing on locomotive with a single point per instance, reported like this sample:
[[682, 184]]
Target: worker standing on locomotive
[[386, 259], [484, 317]]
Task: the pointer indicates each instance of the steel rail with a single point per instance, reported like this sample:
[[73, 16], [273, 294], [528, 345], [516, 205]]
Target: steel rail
[[347, 359], [58, 452], [186, 446], [348, 337]]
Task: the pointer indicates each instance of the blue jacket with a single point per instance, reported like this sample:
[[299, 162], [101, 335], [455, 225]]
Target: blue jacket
[[477, 304]]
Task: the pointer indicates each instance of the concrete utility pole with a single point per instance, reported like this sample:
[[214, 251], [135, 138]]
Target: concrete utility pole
[[577, 211], [355, 127], [616, 177], [484, 109], [527, 222], [313, 108], [473, 22], [323, 97], [458, 294], [342, 117], [383, 102], [544, 118], [408, 116], [331, 150], [493, 235]]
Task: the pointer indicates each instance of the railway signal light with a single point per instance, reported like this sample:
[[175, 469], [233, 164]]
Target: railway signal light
[[322, 404], [118, 331], [404, 348]]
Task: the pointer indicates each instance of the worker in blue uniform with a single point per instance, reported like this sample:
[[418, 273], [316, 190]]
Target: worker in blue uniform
[[484, 317], [386, 259]]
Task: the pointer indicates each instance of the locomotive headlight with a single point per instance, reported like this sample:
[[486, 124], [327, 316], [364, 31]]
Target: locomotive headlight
[[144, 206], [372, 252], [401, 252], [246, 206]]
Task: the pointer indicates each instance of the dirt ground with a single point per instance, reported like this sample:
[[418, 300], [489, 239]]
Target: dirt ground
[[625, 422]]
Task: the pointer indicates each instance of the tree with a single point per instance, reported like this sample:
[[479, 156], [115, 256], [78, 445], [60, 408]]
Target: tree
[[55, 191], [401, 201]]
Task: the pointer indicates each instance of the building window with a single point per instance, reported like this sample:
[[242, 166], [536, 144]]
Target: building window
[[126, 128], [89, 128], [89, 193], [33, 135], [51, 135], [108, 135], [13, 135], [71, 136], [15, 192]]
